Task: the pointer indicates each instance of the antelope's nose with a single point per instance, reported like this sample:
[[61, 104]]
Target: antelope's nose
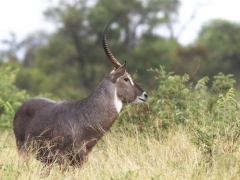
[[145, 95]]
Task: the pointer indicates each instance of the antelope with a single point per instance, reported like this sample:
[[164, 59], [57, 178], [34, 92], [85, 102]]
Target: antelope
[[66, 131]]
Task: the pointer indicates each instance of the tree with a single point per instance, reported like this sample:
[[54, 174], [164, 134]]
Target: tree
[[70, 62], [221, 41], [13, 47], [30, 44]]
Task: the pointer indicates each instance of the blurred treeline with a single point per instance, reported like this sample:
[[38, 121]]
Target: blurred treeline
[[70, 62]]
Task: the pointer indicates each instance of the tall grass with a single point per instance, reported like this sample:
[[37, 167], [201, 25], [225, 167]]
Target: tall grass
[[122, 157]]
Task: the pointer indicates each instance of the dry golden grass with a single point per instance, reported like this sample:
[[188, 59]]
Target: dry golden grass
[[120, 157]]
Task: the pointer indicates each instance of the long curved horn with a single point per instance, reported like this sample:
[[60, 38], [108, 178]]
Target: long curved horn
[[109, 54]]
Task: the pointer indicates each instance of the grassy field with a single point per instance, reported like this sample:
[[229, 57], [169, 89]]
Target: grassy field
[[182, 132], [120, 157]]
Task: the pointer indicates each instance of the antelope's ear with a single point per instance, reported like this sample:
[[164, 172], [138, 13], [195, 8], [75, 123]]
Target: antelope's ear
[[119, 72]]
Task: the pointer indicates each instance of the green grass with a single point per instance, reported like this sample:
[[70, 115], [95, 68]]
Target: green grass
[[121, 157]]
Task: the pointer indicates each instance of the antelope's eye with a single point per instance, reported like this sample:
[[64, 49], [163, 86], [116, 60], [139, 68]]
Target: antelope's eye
[[126, 79]]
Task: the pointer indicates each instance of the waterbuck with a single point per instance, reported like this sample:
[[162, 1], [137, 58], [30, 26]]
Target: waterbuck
[[66, 131]]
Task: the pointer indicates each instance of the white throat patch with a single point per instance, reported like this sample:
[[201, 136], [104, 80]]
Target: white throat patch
[[117, 102]]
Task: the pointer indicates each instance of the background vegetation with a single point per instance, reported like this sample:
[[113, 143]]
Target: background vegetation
[[188, 129]]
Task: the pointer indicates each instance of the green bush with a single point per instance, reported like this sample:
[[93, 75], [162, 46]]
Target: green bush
[[210, 115], [10, 96]]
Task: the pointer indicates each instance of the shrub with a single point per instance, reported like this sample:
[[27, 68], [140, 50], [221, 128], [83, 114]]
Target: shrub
[[210, 115], [10, 96]]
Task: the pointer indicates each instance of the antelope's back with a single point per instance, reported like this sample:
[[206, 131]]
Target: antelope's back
[[25, 114]]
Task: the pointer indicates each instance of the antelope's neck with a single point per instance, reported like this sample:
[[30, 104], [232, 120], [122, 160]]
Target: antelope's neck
[[105, 105]]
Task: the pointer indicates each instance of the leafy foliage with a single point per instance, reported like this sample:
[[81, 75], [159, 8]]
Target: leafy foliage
[[212, 119], [223, 83], [220, 39], [10, 96]]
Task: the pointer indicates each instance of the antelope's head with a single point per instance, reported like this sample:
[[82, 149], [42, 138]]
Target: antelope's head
[[126, 90]]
